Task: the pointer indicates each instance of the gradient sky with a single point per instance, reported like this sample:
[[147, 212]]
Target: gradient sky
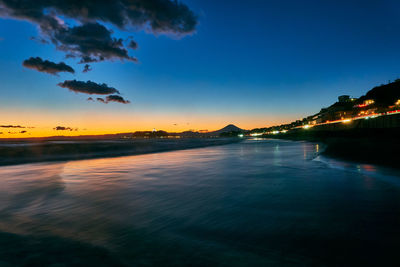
[[252, 63]]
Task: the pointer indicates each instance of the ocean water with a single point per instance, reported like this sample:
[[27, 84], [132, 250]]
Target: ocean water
[[255, 203]]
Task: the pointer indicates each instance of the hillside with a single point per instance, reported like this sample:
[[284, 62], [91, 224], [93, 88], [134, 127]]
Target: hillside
[[384, 95]]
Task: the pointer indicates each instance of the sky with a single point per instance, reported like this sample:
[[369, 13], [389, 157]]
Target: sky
[[195, 65]]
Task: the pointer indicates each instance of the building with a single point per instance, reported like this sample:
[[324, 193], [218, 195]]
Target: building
[[344, 98]]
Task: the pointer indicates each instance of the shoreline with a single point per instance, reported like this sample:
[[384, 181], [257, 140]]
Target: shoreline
[[365, 150], [17, 153], [366, 146]]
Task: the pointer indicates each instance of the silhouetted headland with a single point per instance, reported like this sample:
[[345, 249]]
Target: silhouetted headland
[[364, 130]]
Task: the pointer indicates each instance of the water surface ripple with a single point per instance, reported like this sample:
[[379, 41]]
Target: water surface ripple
[[255, 203]]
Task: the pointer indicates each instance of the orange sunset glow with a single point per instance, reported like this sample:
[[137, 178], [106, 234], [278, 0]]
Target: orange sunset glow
[[43, 124]]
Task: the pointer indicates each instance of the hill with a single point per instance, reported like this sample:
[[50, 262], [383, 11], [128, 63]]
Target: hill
[[384, 95]]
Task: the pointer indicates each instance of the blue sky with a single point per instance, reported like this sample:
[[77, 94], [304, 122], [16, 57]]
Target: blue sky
[[252, 63]]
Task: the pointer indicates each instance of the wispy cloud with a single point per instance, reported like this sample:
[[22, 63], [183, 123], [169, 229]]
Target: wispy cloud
[[21, 132], [12, 126], [63, 128]]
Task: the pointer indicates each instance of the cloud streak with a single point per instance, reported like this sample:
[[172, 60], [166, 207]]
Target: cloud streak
[[63, 128], [12, 126], [88, 87], [36, 63]]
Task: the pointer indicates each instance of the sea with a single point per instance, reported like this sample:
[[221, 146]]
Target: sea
[[260, 202]]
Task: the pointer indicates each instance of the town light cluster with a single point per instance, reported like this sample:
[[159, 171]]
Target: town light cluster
[[346, 110]]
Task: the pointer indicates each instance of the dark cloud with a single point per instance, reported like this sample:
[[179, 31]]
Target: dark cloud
[[90, 40], [36, 63], [63, 128], [159, 16], [133, 45], [113, 98], [87, 68], [23, 132], [90, 99], [88, 87], [116, 98], [12, 126], [1, 132]]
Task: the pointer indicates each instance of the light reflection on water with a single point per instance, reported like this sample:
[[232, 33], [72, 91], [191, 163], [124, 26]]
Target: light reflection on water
[[260, 202]]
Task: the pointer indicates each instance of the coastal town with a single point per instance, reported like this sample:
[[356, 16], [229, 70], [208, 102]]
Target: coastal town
[[381, 101]]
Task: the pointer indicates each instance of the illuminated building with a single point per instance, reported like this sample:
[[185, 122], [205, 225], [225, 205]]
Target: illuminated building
[[366, 103]]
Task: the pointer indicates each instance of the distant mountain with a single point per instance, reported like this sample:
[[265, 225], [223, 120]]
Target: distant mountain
[[227, 129]]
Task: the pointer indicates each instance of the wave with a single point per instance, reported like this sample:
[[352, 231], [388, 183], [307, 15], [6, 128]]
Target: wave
[[28, 152]]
